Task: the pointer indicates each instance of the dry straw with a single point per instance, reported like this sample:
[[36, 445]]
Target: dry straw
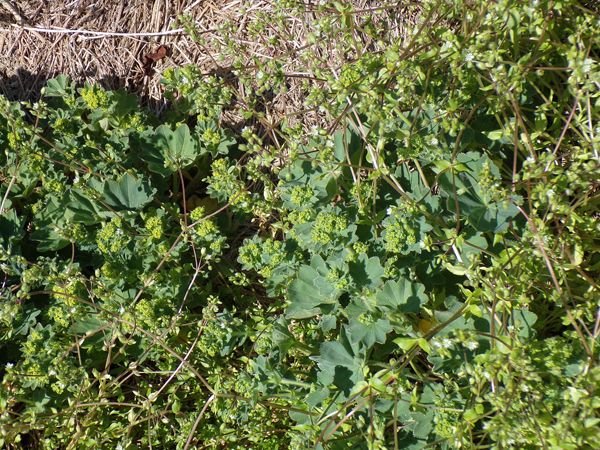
[[96, 40], [105, 41]]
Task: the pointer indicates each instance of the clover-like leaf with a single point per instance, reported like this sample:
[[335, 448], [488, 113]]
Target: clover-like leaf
[[80, 208], [310, 291], [178, 147], [127, 192], [60, 86], [366, 271], [48, 239], [341, 362], [402, 295], [369, 332]]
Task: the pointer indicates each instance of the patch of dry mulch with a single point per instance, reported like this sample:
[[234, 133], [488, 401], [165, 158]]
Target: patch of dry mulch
[[128, 44], [104, 41]]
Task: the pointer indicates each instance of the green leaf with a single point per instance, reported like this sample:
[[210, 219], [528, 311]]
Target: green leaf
[[476, 204], [310, 291], [346, 143], [147, 149], [26, 322], [473, 245], [423, 424], [366, 272], [495, 135], [369, 332], [79, 208], [88, 324], [402, 295], [178, 147], [523, 321], [408, 343], [341, 362], [317, 397], [328, 323], [48, 239], [58, 87], [50, 218], [484, 215], [127, 193], [11, 227], [337, 354]]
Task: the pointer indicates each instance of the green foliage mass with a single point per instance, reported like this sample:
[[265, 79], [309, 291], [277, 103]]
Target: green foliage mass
[[422, 274]]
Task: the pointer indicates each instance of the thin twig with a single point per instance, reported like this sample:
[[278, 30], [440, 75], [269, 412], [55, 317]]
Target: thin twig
[[546, 258], [182, 363], [10, 185], [101, 33], [190, 438]]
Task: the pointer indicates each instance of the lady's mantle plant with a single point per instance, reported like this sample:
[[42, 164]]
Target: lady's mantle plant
[[418, 275]]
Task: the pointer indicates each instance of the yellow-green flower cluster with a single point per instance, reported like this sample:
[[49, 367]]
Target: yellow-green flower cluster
[[109, 271], [349, 76], [206, 228], [301, 195], [31, 278], [144, 314], [94, 97], [224, 182], [14, 139], [35, 374], [217, 245], [33, 343], [207, 232], [360, 247], [250, 254], [390, 268], [54, 185], [241, 199], [133, 121], [66, 293], [74, 232], [262, 256], [399, 234], [35, 161], [60, 123], [197, 213], [298, 217], [357, 249], [59, 316], [31, 275], [336, 277], [211, 137], [274, 255], [327, 226], [155, 227], [8, 312], [111, 238]]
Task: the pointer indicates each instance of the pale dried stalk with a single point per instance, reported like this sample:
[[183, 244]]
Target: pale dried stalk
[[102, 33]]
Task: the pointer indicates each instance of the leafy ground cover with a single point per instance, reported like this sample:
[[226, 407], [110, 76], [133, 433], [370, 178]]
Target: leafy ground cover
[[415, 268]]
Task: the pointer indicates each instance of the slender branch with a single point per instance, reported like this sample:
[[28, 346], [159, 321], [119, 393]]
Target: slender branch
[[190, 438], [101, 33]]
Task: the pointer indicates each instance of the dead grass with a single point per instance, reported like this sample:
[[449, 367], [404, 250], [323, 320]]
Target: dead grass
[[28, 57], [99, 41]]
